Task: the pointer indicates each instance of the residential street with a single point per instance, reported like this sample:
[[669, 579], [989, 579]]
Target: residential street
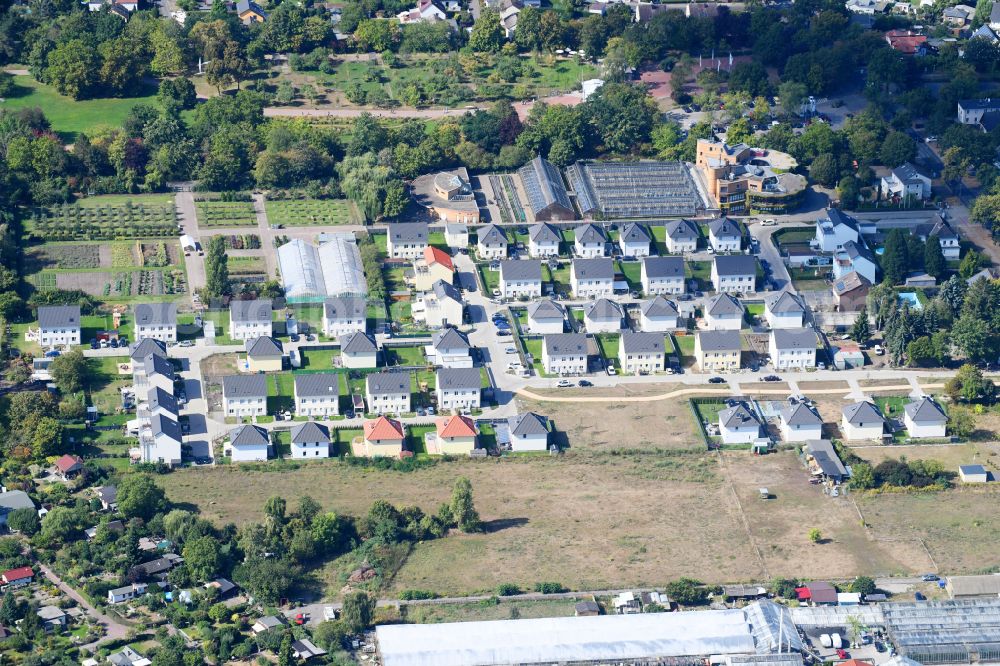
[[113, 630]]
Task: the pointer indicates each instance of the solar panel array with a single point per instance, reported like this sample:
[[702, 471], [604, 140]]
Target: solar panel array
[[635, 189]]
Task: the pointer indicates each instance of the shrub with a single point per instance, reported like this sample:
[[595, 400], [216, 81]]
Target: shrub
[[413, 595], [507, 589], [549, 588]]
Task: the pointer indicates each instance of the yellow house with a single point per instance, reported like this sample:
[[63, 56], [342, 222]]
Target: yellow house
[[383, 438], [718, 351], [435, 265], [250, 12], [456, 435], [264, 355]]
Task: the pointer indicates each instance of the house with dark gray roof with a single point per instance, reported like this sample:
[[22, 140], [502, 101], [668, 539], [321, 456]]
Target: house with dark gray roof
[[442, 305], [662, 275], [862, 420], [835, 229], [565, 354], [458, 389], [734, 273], [388, 392], [546, 316], [543, 241], [264, 354], [152, 371], [786, 310], [641, 353], [142, 348], [520, 279], [947, 238], [925, 418], [856, 258], [244, 395], [528, 432], [160, 440], [317, 394], [343, 315], [635, 240], [450, 349], [358, 350], [681, 236], [58, 325], [724, 235], [310, 440], [249, 443], [603, 316], [824, 461], [718, 351], [250, 319], [12, 500], [658, 315], [157, 321], [724, 312], [799, 422], [158, 401], [407, 240], [792, 348], [589, 241], [492, 243], [593, 278], [739, 424]]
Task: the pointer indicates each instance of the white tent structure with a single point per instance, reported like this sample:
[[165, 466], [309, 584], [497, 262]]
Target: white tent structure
[[315, 273]]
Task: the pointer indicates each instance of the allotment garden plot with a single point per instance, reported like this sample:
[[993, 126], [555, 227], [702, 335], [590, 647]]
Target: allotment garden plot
[[106, 218], [216, 213], [306, 212]]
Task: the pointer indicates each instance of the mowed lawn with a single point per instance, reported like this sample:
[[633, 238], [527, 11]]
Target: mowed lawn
[[70, 117]]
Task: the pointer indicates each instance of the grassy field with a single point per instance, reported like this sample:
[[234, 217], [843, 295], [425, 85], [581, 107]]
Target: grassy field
[[69, 117], [225, 214], [304, 212]]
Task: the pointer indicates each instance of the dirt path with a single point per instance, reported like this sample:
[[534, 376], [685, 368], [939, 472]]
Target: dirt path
[[526, 393], [114, 630]]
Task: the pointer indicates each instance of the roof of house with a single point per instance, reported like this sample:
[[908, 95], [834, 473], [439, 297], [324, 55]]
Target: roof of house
[[154, 364], [306, 649], [719, 340], [249, 435], [925, 410], [458, 378], [18, 573], [738, 416], [682, 230], [589, 233], [263, 347], [822, 592], [243, 6], [15, 499], [544, 233], [849, 282], [633, 342], [794, 338], [800, 414], [983, 102], [455, 426], [310, 432], [164, 425], [156, 314], [435, 255], [491, 234], [521, 270], [786, 303], [344, 307], [562, 344], [443, 290], [528, 423], [658, 306], [454, 228], [358, 342], [603, 308], [985, 32], [545, 309], [905, 41], [246, 311], [598, 268], [383, 428], [857, 251], [317, 385], [271, 621], [724, 304], [735, 264], [634, 232], [157, 398], [244, 386], [451, 338], [964, 469], [388, 382], [995, 13], [51, 613], [68, 463], [907, 174], [59, 316], [663, 267], [838, 218], [147, 346], [107, 494], [408, 232], [862, 412], [723, 227]]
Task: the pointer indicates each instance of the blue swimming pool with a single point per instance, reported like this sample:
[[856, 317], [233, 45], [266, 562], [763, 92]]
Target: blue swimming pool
[[910, 298]]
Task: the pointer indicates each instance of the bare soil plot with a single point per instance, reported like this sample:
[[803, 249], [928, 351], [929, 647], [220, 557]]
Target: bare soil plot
[[872, 383], [807, 386], [657, 424], [959, 527], [622, 390], [63, 256], [759, 386], [584, 520], [92, 283], [213, 369], [780, 526]]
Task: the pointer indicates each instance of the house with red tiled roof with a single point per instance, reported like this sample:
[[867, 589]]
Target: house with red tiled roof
[[383, 438], [18, 577], [907, 42], [68, 466], [434, 265], [454, 435]]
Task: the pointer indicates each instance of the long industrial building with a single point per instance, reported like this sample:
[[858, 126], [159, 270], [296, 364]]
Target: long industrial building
[[762, 628], [310, 273], [621, 190]]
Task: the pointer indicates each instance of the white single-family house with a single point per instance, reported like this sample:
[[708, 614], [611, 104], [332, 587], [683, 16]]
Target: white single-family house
[[593, 278], [543, 241], [528, 432], [358, 350], [658, 315], [835, 229], [734, 273], [662, 275], [450, 349], [458, 388], [244, 395], [520, 279], [344, 315], [407, 240], [724, 235], [862, 420], [492, 243], [250, 319], [565, 354], [59, 325], [545, 317], [924, 418], [641, 353], [681, 236], [388, 392], [635, 240], [603, 316], [800, 422], [157, 321], [792, 348], [739, 424], [589, 241], [310, 440], [317, 394], [724, 312], [786, 310]]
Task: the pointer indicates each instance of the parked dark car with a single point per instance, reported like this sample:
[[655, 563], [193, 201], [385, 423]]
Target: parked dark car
[[716, 380], [584, 383], [770, 378]]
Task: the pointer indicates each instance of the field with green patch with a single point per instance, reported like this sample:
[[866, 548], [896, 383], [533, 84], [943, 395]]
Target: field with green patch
[[214, 213], [70, 117], [306, 212]]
